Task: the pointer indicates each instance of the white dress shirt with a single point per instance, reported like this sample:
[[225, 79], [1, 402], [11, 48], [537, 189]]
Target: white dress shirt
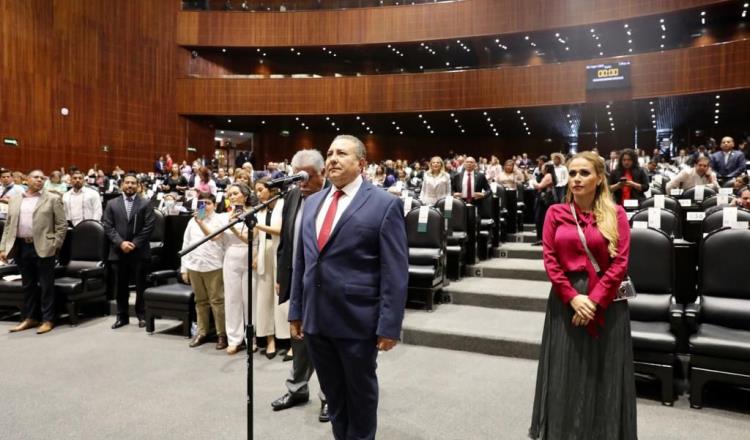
[[82, 205], [465, 184], [26, 219], [345, 199], [208, 256]]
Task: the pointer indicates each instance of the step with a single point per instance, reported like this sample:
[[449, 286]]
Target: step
[[500, 293], [518, 250], [522, 237], [529, 227], [515, 268], [498, 332]]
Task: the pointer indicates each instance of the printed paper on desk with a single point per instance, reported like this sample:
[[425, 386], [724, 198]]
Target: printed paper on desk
[[407, 204], [422, 220], [659, 201], [630, 203], [640, 225], [493, 187], [675, 192], [740, 225], [685, 202], [658, 179], [722, 199], [700, 191], [448, 206], [725, 191], [730, 216], [194, 205], [654, 218], [697, 216]]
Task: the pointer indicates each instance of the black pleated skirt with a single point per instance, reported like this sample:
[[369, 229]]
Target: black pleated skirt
[[585, 387]]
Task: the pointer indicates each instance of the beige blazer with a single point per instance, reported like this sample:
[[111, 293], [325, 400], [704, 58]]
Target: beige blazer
[[48, 226]]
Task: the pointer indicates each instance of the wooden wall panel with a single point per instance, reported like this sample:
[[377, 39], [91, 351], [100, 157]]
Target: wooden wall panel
[[112, 64], [692, 70], [407, 23]]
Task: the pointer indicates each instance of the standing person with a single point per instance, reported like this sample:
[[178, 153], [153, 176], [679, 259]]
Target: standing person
[[34, 232], [436, 184], [546, 196], [585, 385], [561, 175], [236, 271], [728, 163], [628, 180], [349, 287], [81, 202], [510, 177], [55, 184], [470, 185], [128, 222], [159, 166], [174, 181], [169, 162], [7, 189], [312, 163], [204, 182], [272, 316], [202, 269]]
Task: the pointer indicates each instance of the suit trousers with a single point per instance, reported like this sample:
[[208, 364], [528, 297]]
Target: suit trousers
[[346, 371], [38, 281], [124, 267], [209, 298], [301, 372]]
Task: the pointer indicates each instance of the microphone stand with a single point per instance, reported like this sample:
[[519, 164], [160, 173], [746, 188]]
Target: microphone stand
[[248, 217]]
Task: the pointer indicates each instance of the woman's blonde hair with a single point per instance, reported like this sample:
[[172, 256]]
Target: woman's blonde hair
[[604, 207], [442, 164]]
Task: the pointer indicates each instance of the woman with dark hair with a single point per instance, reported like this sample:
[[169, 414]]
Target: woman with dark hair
[[545, 197], [628, 181], [585, 387], [204, 182]]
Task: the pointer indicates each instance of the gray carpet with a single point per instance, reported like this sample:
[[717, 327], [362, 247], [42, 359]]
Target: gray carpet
[[91, 382]]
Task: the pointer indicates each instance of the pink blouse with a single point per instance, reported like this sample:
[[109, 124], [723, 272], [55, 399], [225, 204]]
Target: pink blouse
[[563, 252]]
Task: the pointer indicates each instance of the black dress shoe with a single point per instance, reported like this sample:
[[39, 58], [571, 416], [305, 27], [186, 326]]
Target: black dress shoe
[[198, 340], [288, 357], [288, 401], [120, 323], [323, 416], [270, 355], [141, 323]]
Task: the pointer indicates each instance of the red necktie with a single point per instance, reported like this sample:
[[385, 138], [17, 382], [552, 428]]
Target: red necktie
[[469, 187], [325, 231]]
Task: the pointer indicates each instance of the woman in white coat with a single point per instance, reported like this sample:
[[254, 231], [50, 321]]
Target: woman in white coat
[[272, 317]]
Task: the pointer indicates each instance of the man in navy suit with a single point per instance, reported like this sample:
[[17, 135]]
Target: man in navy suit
[[349, 287], [728, 163]]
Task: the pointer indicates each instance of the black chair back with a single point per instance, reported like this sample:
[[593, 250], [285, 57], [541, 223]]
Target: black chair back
[[157, 235], [725, 292], [88, 247], [670, 223], [651, 268], [670, 203], [434, 235], [484, 207], [715, 218], [458, 220], [713, 201], [415, 203], [655, 190], [690, 194]]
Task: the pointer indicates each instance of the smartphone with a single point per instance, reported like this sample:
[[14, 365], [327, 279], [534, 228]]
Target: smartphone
[[237, 209], [201, 209], [623, 179]]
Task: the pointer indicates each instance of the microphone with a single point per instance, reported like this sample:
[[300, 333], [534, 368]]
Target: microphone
[[302, 176]]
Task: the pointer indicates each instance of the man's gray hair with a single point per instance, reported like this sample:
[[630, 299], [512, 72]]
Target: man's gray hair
[[359, 147], [308, 158]]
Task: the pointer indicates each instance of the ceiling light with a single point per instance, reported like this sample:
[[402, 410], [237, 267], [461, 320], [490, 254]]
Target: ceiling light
[[229, 120], [263, 122], [626, 25]]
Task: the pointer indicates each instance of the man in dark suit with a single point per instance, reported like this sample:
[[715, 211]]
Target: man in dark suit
[[727, 163], [312, 163], [469, 184], [33, 235], [128, 222], [349, 287]]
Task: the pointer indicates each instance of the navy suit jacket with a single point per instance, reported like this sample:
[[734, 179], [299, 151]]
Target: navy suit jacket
[[734, 167], [355, 287]]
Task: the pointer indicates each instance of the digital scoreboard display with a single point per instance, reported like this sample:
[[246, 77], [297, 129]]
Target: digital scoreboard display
[[608, 76]]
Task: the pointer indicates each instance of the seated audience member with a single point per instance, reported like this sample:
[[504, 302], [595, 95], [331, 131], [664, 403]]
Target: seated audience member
[[652, 169], [682, 158], [743, 198], [170, 205], [627, 180], [436, 183], [54, 184], [739, 184], [81, 202], [204, 182], [700, 174], [202, 269], [222, 179]]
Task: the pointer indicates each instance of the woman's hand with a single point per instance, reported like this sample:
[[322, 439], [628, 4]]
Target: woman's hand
[[583, 306], [580, 321]]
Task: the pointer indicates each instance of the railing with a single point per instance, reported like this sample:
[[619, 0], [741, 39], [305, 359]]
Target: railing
[[295, 5]]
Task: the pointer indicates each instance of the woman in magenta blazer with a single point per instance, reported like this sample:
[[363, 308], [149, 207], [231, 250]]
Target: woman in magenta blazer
[[585, 386]]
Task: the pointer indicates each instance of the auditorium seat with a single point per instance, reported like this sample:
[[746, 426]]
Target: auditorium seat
[[669, 203], [410, 203], [713, 201], [690, 194], [715, 218], [501, 215], [83, 277], [719, 319], [670, 223], [156, 241], [456, 226], [427, 256], [174, 299], [486, 208], [655, 316]]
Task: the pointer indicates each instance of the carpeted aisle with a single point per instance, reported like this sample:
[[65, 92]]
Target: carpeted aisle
[[91, 382]]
